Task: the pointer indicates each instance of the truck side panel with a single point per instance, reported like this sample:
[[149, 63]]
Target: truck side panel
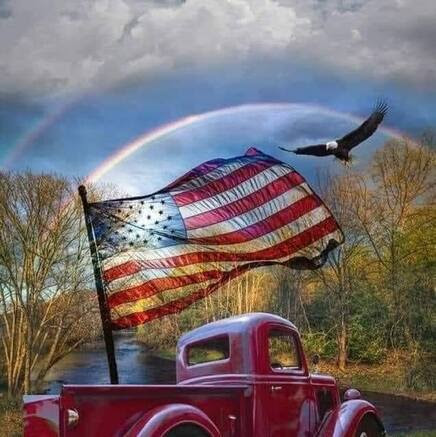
[[114, 410]]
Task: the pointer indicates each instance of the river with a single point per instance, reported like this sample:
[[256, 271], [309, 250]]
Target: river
[[137, 366]]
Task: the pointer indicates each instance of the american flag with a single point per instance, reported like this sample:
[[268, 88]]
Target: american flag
[[162, 252]]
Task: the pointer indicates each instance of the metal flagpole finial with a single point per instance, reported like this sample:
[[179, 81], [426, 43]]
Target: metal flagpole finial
[[82, 190]]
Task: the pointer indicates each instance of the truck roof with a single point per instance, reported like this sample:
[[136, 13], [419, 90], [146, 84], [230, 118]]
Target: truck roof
[[244, 323], [243, 342]]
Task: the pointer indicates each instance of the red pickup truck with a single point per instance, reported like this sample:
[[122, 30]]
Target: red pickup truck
[[245, 376]]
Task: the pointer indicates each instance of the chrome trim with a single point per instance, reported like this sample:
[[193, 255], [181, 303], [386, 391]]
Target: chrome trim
[[72, 418]]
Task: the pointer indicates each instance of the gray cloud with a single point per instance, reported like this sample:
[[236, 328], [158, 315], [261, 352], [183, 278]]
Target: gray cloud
[[50, 47], [5, 9], [380, 39]]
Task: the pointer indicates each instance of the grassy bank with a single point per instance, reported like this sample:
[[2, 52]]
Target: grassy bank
[[388, 377], [11, 417], [415, 434]]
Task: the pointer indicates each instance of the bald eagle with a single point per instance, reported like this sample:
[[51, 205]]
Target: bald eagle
[[341, 147]]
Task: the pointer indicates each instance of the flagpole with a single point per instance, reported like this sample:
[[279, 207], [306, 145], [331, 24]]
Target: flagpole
[[104, 311]]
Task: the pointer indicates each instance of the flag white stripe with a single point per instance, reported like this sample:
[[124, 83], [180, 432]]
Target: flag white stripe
[[253, 216], [276, 236], [238, 192], [218, 173]]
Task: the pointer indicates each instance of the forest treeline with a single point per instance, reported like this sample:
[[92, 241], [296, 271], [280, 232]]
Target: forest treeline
[[374, 297]]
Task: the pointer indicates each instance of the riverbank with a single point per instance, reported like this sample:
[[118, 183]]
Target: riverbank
[[415, 434], [384, 378], [387, 378]]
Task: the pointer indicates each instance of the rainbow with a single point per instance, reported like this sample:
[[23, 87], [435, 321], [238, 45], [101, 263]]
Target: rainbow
[[36, 132], [150, 136], [28, 139]]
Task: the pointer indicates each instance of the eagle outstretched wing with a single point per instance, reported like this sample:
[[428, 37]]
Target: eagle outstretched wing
[[366, 129], [315, 150]]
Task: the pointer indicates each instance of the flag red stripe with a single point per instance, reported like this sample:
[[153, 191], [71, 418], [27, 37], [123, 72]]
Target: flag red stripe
[[208, 167], [176, 306], [278, 251], [224, 183], [199, 171], [241, 206], [263, 227], [300, 241], [154, 286]]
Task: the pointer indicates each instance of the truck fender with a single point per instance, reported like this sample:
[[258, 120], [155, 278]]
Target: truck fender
[[158, 421], [41, 415], [345, 419]]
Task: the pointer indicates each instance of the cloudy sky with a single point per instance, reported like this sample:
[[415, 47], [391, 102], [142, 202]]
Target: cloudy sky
[[81, 79]]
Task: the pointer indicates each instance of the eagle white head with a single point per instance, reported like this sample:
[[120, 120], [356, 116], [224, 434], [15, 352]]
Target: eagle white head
[[331, 145]]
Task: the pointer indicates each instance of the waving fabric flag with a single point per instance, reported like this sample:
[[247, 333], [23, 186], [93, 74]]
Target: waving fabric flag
[[162, 252]]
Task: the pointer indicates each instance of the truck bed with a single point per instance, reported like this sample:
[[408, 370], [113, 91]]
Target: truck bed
[[104, 409]]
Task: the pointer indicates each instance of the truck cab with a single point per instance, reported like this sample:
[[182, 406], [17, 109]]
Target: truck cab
[[263, 351], [245, 376]]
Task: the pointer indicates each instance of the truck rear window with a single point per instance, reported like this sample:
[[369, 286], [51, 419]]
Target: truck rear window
[[283, 351], [214, 349]]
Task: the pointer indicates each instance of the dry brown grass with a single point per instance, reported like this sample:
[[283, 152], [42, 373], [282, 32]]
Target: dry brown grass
[[11, 418]]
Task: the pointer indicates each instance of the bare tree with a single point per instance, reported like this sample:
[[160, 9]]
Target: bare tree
[[45, 310]]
